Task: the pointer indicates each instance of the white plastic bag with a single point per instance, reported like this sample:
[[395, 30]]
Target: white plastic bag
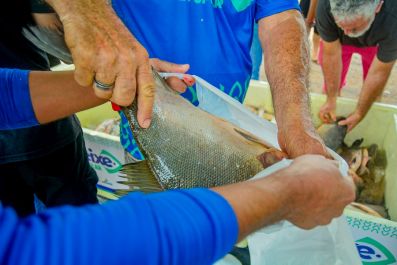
[[282, 243], [287, 244]]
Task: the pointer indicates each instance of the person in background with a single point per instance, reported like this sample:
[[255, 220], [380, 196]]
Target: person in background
[[308, 8], [366, 27], [49, 161], [198, 226]]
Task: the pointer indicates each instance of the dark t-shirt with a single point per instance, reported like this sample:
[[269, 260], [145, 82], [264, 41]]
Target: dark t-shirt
[[17, 52], [382, 33]]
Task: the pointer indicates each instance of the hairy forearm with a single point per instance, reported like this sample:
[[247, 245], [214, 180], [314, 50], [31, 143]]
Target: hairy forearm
[[373, 85], [56, 95], [64, 7], [257, 205], [332, 69], [287, 66]]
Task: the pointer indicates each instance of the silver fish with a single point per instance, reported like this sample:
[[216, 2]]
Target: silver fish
[[187, 147]]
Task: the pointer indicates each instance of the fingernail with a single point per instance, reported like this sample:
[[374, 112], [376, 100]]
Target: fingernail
[[188, 80], [146, 123]]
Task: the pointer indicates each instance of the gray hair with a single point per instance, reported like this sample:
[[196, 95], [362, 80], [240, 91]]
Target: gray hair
[[350, 9]]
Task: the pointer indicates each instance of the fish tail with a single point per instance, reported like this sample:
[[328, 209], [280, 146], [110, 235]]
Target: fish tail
[[139, 177]]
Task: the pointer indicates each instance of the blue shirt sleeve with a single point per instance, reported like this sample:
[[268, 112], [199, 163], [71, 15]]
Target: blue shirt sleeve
[[194, 226], [266, 8], [16, 110]]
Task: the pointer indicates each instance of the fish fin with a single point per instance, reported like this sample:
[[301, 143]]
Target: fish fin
[[242, 254], [252, 138], [340, 118], [356, 144], [372, 149], [139, 177]]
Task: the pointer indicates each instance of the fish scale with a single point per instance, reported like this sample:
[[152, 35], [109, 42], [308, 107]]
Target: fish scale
[[187, 147]]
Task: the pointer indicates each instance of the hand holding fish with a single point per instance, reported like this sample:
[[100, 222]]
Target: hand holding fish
[[327, 111], [106, 54], [295, 194], [179, 85], [352, 120], [299, 142], [312, 204]]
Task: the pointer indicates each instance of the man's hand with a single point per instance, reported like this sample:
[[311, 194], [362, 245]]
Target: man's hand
[[352, 120], [105, 51], [175, 83], [373, 86], [319, 192], [327, 111], [300, 141], [308, 193]]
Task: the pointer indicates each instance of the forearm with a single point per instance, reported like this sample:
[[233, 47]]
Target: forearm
[[31, 98], [258, 205], [311, 14], [332, 69], [287, 66], [176, 227], [56, 95], [67, 8], [373, 85]]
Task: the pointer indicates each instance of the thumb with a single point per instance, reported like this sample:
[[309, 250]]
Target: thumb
[[345, 121], [349, 122], [164, 66], [333, 115]]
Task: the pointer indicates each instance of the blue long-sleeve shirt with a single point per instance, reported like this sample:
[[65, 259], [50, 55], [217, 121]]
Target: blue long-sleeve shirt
[[16, 110], [194, 226]]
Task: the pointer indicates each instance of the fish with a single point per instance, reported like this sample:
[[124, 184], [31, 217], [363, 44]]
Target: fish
[[188, 147], [374, 210], [368, 167], [48, 40], [110, 126], [353, 154], [367, 164], [333, 134], [261, 112], [374, 177]]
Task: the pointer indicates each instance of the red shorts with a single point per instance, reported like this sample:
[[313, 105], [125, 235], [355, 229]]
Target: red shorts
[[367, 56]]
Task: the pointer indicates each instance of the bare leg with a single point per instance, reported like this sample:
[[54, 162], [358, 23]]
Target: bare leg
[[315, 42]]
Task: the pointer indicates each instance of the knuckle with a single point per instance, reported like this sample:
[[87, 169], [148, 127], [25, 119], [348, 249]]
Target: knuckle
[[103, 94], [126, 60], [123, 101], [107, 57], [154, 61], [148, 91]]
